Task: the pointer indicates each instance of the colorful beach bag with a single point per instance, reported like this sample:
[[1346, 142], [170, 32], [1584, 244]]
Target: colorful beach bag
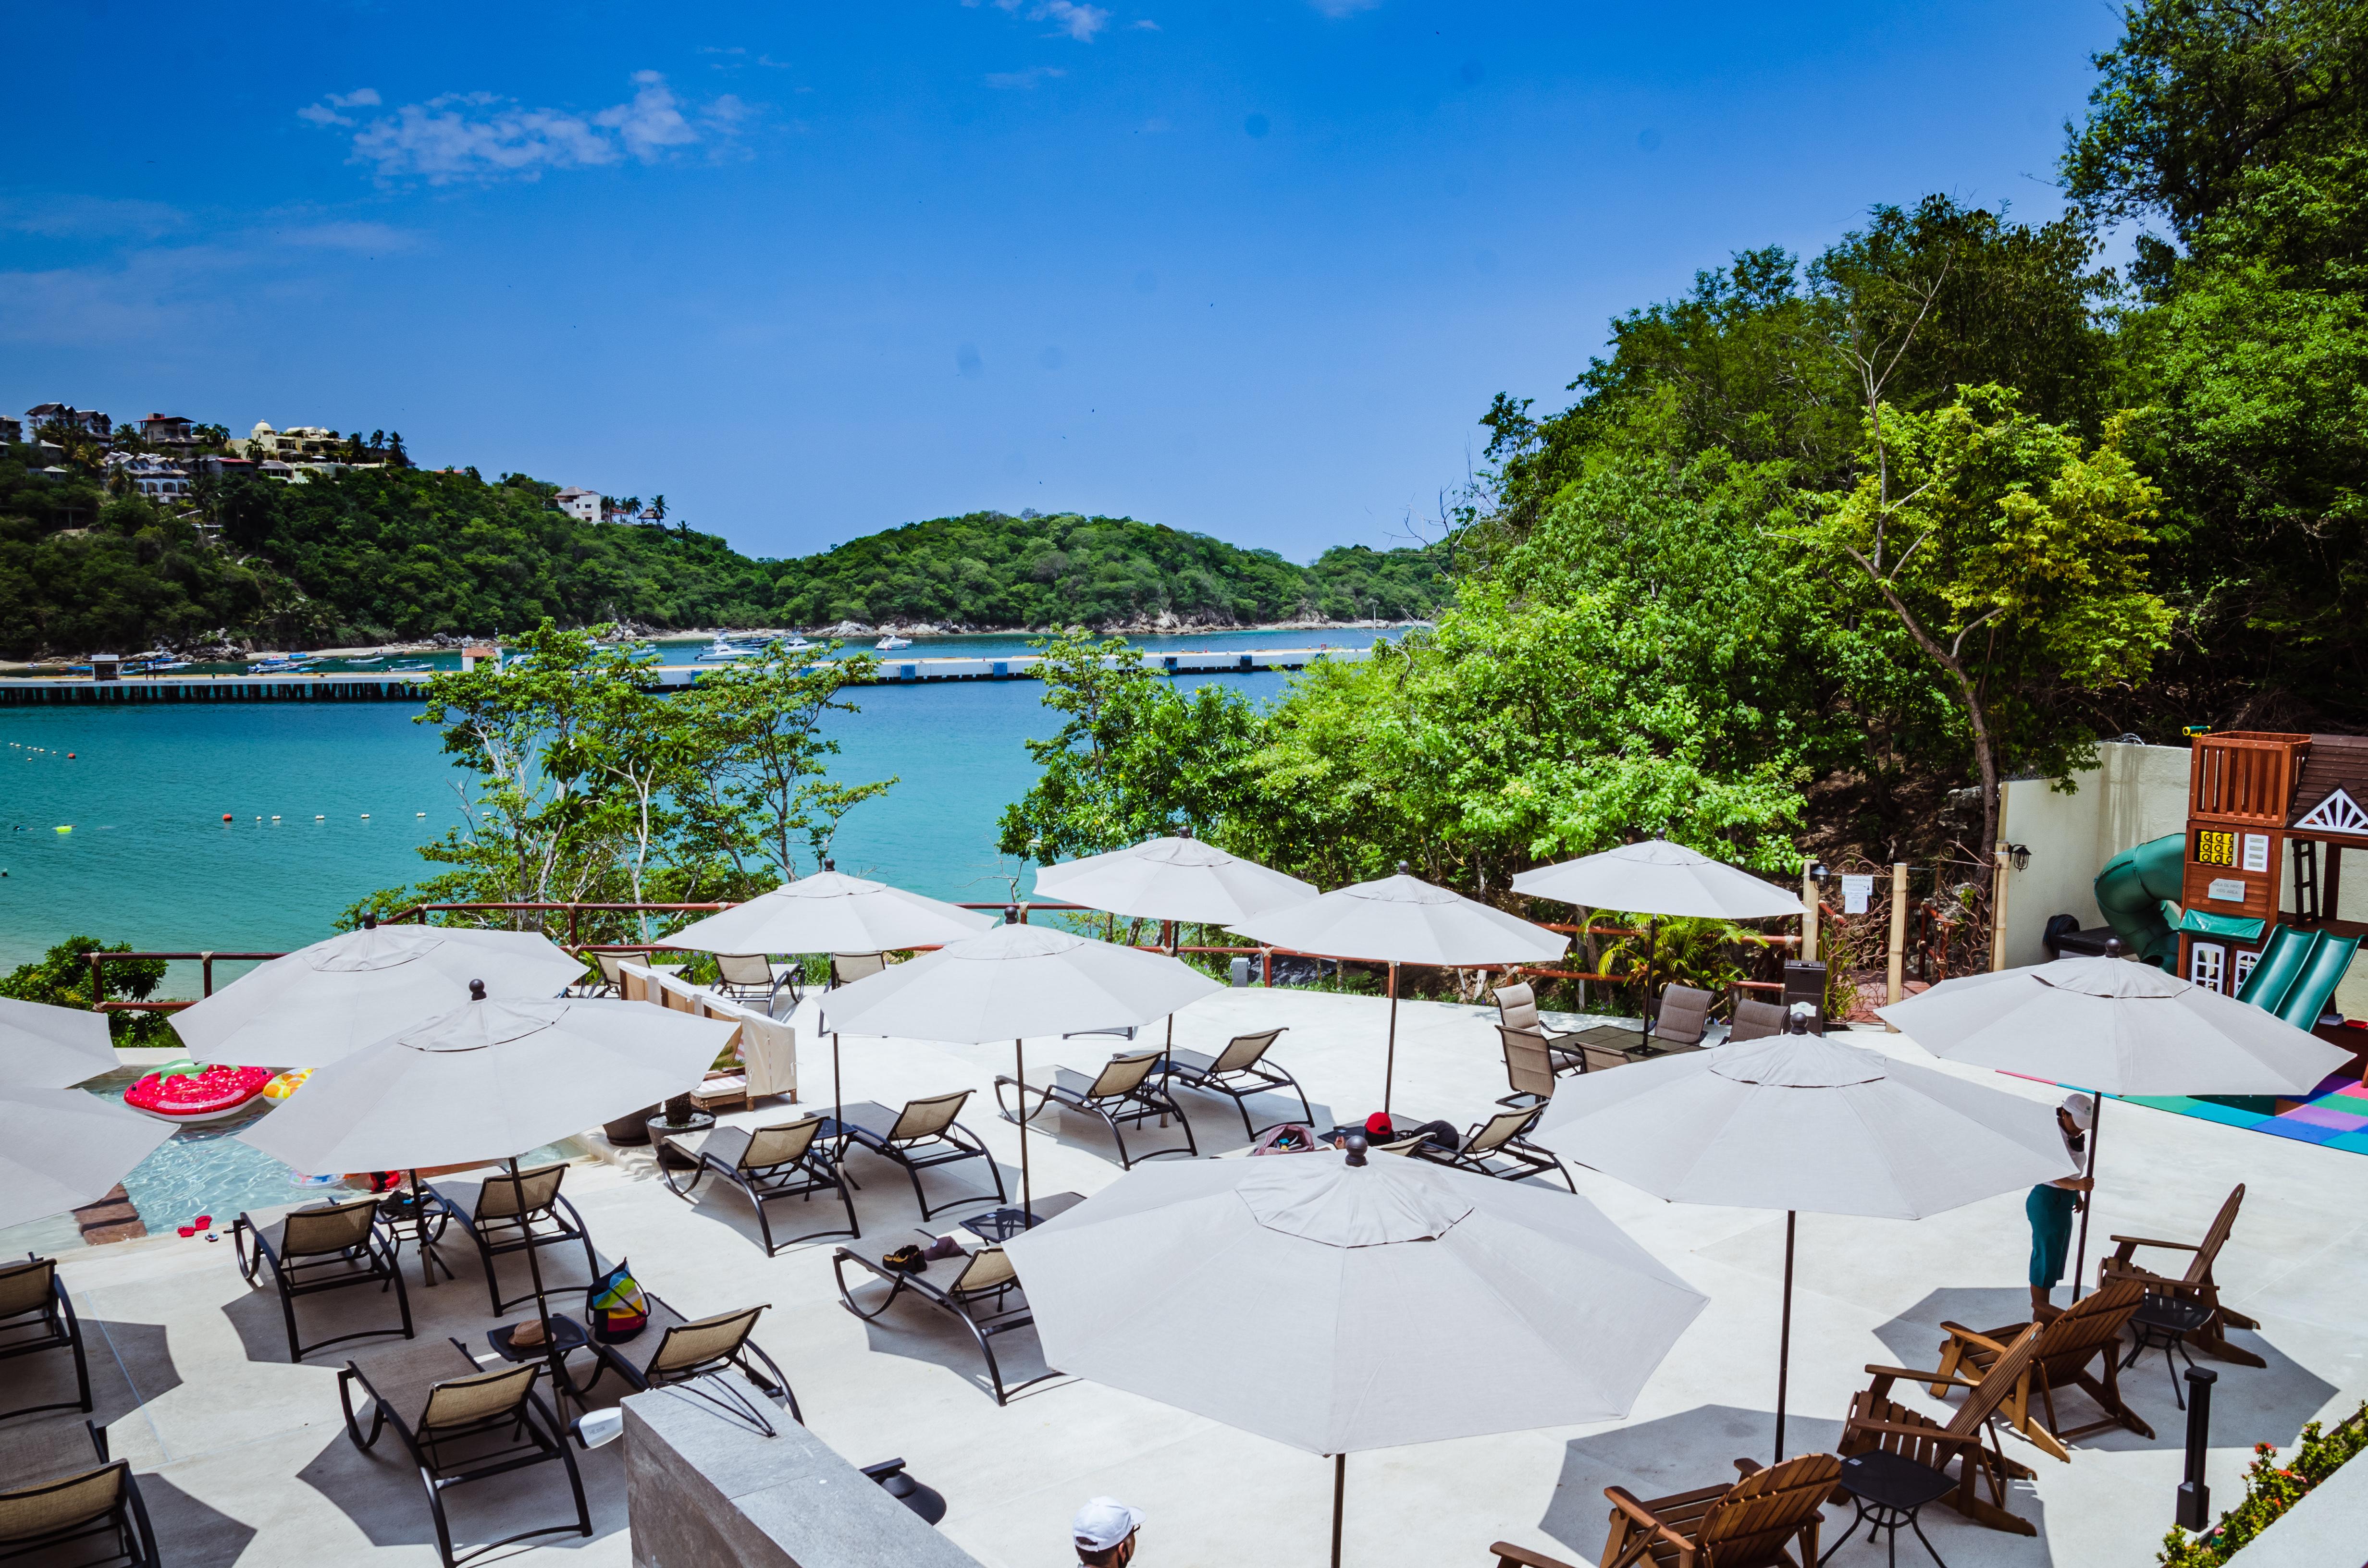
[[619, 1311]]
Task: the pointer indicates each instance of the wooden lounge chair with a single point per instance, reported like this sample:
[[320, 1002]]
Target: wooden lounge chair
[[1504, 1137], [505, 1214], [675, 1350], [459, 1425], [59, 1492], [1756, 1021], [769, 1163], [36, 1314], [1120, 1094], [976, 1289], [1682, 1019], [749, 977], [2196, 1284], [1754, 1523], [921, 1137], [1876, 1421], [2067, 1344], [1238, 1072], [330, 1246]]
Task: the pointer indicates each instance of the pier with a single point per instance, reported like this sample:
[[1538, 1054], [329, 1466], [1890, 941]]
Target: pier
[[369, 686]]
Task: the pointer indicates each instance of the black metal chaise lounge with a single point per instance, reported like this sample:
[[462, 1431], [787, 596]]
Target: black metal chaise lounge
[[459, 1425], [1238, 1072], [36, 1314], [977, 1291], [769, 1165], [1120, 1094], [59, 1492], [332, 1247], [507, 1213], [921, 1137], [1501, 1147], [675, 1350], [749, 977]]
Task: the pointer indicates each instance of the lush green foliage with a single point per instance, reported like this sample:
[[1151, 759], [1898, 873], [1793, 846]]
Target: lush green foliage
[[61, 978], [2270, 1489]]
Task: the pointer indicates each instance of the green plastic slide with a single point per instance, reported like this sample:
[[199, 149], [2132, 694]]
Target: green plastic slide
[[2131, 890], [2297, 974]]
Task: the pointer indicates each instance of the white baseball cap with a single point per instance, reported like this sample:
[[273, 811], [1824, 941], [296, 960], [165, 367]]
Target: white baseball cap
[[2081, 1110], [1103, 1523]]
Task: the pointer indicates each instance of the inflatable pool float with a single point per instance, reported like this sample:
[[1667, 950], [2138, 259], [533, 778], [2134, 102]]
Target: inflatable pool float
[[188, 1091], [287, 1083]]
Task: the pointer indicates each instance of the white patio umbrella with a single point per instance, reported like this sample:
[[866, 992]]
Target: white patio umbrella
[[1363, 1305], [313, 1005], [42, 1047], [832, 913], [1803, 1121], [1016, 982], [1658, 878], [63, 1148], [2113, 1027], [1400, 920]]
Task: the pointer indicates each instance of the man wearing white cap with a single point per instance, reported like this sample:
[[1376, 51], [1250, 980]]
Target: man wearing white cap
[[2051, 1207], [1104, 1530]]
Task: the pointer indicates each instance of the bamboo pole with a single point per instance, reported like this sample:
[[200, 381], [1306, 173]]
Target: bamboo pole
[[1895, 986]]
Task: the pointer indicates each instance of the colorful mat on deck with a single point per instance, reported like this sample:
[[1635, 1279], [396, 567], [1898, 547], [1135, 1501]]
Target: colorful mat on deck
[[2336, 1114]]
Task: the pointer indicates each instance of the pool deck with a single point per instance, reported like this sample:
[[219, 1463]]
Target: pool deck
[[244, 1460]]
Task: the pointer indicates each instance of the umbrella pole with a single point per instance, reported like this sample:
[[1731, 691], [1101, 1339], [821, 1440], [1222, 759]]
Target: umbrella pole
[[419, 1219], [1027, 1193], [1784, 1343], [533, 1263], [2087, 1198], [1645, 1029], [1390, 1069], [1339, 1485]]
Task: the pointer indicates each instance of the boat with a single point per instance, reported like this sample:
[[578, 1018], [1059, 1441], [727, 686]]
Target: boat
[[187, 1091], [890, 642], [723, 652], [413, 667], [358, 663], [794, 645]]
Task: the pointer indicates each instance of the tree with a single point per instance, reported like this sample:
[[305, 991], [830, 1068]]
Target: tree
[[2014, 558], [61, 978], [657, 509]]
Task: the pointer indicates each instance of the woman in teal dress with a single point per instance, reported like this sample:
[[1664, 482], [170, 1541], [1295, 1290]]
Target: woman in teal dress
[[2051, 1207]]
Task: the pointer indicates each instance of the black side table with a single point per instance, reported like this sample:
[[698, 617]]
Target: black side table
[[2163, 1322], [1889, 1490], [567, 1335]]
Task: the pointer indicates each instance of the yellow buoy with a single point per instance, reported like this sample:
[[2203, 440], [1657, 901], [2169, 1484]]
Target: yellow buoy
[[66, 830]]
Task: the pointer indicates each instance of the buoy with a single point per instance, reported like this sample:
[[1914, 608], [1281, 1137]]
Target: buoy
[[69, 757], [319, 817], [225, 816], [275, 816], [419, 814], [366, 816], [67, 829]]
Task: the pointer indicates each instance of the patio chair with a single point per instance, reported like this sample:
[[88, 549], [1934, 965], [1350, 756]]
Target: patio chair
[[330, 1246], [508, 1213], [978, 1293], [611, 981], [2196, 1284], [36, 1314], [747, 976], [672, 1348], [1501, 1147], [1517, 1009], [1757, 1020], [2067, 1342], [458, 1424], [1120, 1093], [1529, 1068], [921, 1137], [1238, 1072], [1753, 1523], [769, 1163], [56, 1496], [1875, 1421], [1682, 1019], [848, 968]]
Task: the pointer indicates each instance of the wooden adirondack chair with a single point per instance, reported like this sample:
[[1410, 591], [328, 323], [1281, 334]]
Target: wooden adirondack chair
[[1752, 1524], [2197, 1282], [2067, 1344], [1877, 1422]]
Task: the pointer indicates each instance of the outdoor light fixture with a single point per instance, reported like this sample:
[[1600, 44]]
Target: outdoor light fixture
[[1817, 869], [2019, 856]]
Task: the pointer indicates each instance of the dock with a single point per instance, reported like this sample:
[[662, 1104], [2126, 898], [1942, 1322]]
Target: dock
[[367, 686]]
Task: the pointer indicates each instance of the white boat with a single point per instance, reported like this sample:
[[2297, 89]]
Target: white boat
[[721, 651], [794, 645], [890, 642]]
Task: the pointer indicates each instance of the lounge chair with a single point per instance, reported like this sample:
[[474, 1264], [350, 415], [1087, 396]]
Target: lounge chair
[[769, 1163], [61, 1491], [1529, 1068], [610, 983], [1682, 1019], [1517, 1010], [2196, 1284], [1757, 1020], [459, 1425], [1877, 1422], [978, 1290], [1238, 1072], [507, 1213], [749, 976], [2067, 1342], [1120, 1093], [36, 1314], [1754, 1523], [330, 1246], [1501, 1147], [846, 968], [921, 1137], [672, 1348]]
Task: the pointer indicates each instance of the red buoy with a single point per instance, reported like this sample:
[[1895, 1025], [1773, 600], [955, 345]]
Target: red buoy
[[69, 757], [225, 816]]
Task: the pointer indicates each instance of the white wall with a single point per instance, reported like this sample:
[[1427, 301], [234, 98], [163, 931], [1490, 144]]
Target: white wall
[[2134, 794]]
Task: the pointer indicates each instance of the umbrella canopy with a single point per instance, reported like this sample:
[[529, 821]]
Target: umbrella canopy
[[1017, 981], [62, 1148], [44, 1047], [1173, 878], [487, 1080], [1363, 1305], [2117, 1026], [1401, 920], [831, 913], [1657, 877], [318, 1004]]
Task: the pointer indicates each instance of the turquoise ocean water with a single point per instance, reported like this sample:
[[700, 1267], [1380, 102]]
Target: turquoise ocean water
[[329, 802]]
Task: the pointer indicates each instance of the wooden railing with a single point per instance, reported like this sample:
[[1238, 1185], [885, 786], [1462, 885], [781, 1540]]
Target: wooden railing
[[2244, 776]]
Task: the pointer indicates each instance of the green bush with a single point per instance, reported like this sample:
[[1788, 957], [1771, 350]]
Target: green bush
[[2270, 1489], [61, 978]]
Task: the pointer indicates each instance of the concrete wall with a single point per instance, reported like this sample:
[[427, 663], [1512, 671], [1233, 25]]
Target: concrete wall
[[2136, 793]]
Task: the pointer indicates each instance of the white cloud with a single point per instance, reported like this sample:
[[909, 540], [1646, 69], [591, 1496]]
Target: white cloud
[[1069, 18], [88, 217], [1022, 79], [372, 239], [480, 136], [325, 111], [1147, 25], [1335, 9]]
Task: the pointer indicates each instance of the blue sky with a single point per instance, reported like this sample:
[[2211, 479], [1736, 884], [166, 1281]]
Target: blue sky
[[810, 271]]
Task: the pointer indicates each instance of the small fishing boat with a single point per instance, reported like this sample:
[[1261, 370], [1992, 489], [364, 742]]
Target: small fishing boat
[[723, 652], [795, 645], [187, 1091], [890, 642]]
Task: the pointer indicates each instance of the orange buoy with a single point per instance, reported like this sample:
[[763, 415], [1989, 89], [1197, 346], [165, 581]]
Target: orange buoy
[[225, 816]]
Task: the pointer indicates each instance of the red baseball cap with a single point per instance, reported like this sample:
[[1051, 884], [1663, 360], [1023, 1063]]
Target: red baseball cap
[[1378, 1124]]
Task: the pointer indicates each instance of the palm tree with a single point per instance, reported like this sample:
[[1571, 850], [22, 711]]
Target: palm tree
[[657, 509]]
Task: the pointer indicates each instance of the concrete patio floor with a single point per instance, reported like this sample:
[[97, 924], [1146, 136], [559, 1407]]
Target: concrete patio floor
[[244, 1458]]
